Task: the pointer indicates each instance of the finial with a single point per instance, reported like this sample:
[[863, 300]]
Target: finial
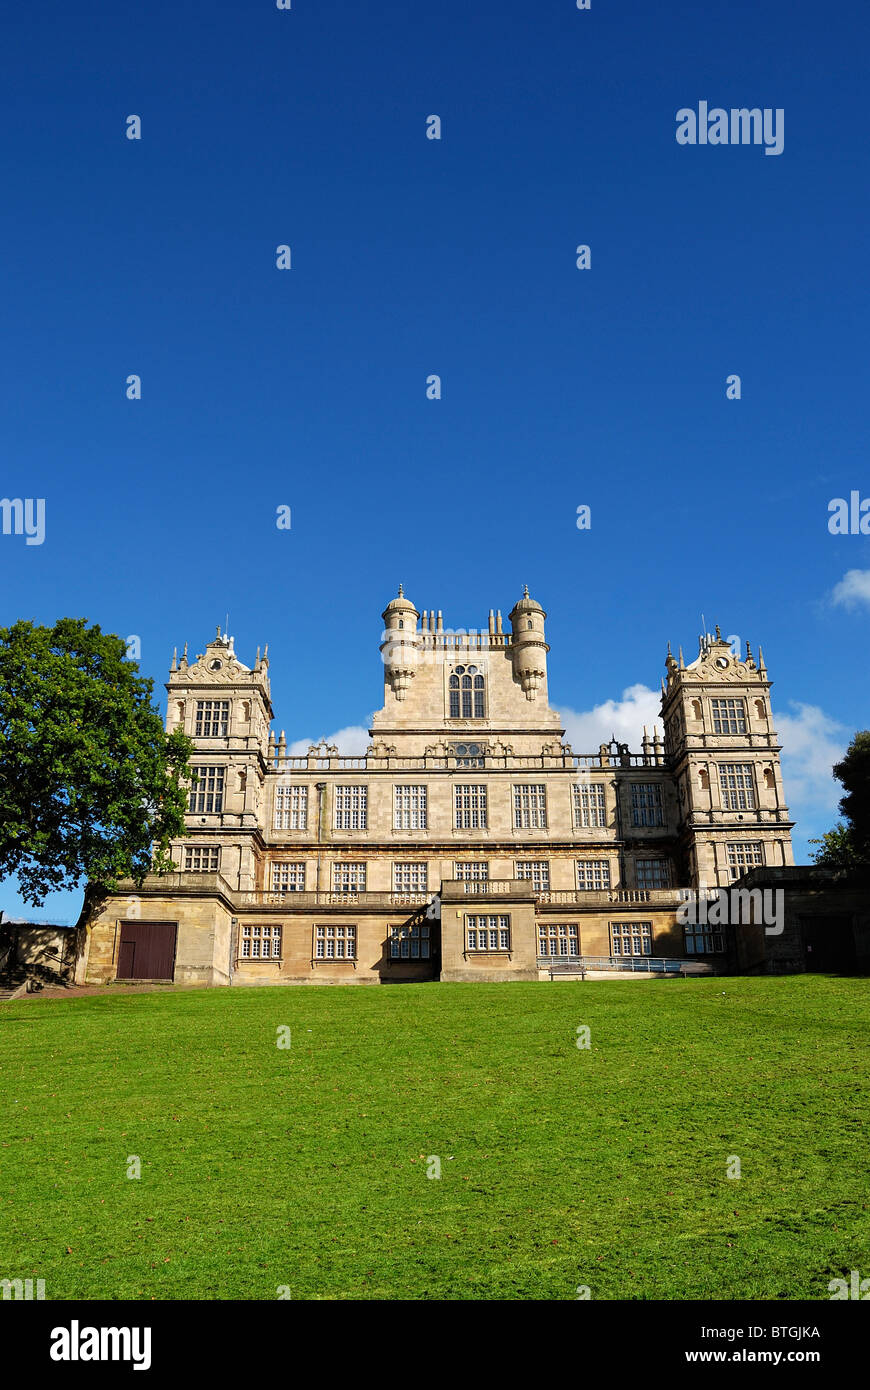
[[184, 653], [218, 631], [748, 652], [760, 658], [669, 649], [525, 591], [174, 666], [401, 592], [682, 662], [718, 634]]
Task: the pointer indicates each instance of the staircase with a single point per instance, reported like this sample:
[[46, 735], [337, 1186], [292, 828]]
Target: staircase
[[12, 983], [9, 990]]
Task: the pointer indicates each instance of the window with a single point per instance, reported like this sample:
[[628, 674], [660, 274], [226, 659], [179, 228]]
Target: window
[[335, 943], [593, 874], [212, 718], [470, 807], [409, 808], [631, 938], [589, 808], [348, 878], [468, 754], [537, 870], [558, 939], [291, 808], [201, 859], [261, 943], [530, 808], [207, 792], [653, 873], [410, 878], [471, 871], [743, 856], [488, 932], [729, 716], [410, 942], [701, 941], [351, 808], [467, 690], [288, 878], [738, 790], [646, 804]]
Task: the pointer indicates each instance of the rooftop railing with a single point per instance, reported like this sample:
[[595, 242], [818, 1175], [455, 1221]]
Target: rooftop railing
[[432, 762]]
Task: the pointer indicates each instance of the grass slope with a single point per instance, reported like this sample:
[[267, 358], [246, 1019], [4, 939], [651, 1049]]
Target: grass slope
[[306, 1167]]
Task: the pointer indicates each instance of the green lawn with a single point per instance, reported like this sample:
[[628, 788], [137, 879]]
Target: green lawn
[[307, 1167]]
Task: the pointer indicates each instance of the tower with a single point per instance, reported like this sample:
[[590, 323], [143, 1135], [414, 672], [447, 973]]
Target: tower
[[528, 646], [724, 753], [225, 708], [401, 646]]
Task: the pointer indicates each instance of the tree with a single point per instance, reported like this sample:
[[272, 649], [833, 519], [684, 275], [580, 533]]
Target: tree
[[848, 846], [91, 787]]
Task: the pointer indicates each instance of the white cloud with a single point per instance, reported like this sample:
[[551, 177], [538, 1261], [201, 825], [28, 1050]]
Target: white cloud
[[853, 589], [811, 743], [621, 719], [350, 742]]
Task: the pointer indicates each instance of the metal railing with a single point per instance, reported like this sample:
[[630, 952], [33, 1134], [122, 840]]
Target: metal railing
[[647, 965]]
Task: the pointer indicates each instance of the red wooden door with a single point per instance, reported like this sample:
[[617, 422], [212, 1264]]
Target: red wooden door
[[147, 951]]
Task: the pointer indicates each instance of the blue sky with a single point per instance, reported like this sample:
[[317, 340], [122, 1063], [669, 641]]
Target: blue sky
[[410, 256]]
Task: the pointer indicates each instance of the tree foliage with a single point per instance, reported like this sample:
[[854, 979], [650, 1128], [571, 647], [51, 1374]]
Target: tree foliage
[[91, 786], [848, 845]]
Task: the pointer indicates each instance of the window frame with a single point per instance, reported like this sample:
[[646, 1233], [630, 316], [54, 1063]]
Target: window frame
[[730, 797], [341, 932], [410, 934], [222, 721], [586, 816], [648, 811], [530, 805], [405, 795], [652, 887], [212, 868], [501, 928], [566, 933], [538, 873], [739, 715], [357, 795], [201, 792], [594, 869], [284, 814], [474, 815], [264, 931], [632, 931], [289, 864]]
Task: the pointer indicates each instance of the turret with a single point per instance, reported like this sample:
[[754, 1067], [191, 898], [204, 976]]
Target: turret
[[528, 644], [401, 646]]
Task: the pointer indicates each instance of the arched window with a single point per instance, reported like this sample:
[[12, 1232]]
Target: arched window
[[530, 622], [467, 690], [401, 622]]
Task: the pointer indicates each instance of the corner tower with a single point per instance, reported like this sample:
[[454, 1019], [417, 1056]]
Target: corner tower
[[528, 646], [225, 707], [724, 752]]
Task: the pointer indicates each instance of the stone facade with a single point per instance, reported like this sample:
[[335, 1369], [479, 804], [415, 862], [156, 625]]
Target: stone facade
[[470, 841]]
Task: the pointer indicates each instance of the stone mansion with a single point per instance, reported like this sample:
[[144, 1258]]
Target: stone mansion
[[470, 842]]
